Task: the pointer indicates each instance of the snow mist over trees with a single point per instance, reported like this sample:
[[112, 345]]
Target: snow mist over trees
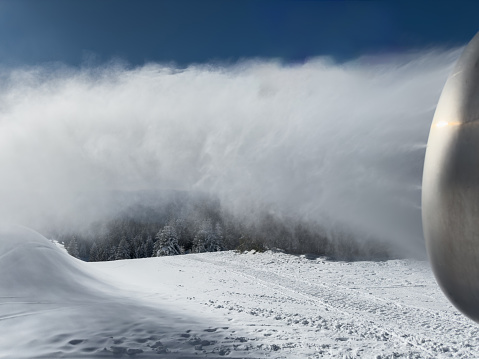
[[185, 223], [314, 156]]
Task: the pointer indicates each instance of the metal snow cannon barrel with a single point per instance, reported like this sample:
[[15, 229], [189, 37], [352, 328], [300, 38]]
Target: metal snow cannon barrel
[[450, 187]]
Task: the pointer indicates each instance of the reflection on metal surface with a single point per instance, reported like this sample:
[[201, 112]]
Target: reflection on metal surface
[[450, 189], [444, 123]]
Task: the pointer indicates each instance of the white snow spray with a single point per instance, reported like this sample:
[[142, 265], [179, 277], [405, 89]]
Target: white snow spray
[[338, 145]]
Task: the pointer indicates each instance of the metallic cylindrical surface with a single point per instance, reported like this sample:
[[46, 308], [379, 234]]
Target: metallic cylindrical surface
[[450, 188]]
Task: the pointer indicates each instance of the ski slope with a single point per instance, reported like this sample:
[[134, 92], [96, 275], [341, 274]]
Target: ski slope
[[221, 305]]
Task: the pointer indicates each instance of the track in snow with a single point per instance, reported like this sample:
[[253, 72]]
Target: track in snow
[[225, 304], [392, 308]]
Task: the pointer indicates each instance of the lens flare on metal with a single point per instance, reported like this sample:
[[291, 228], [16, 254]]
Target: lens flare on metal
[[450, 187]]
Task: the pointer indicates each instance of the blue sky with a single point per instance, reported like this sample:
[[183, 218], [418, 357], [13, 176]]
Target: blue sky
[[83, 32]]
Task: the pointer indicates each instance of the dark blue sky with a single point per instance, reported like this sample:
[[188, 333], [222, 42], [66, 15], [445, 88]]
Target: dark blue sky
[[79, 32]]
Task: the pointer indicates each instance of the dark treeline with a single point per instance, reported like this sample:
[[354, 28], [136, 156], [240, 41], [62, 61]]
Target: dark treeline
[[194, 224]]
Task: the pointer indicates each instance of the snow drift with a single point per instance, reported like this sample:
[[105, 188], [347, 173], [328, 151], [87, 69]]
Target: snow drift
[[53, 305], [33, 267]]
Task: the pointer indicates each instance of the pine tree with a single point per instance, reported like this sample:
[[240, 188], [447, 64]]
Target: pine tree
[[184, 233], [148, 247], [110, 253], [81, 248], [94, 253], [138, 247], [123, 250], [199, 242], [72, 248], [167, 243], [219, 236], [208, 240], [103, 250]]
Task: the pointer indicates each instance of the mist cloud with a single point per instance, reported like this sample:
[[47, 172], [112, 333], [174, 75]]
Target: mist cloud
[[338, 145]]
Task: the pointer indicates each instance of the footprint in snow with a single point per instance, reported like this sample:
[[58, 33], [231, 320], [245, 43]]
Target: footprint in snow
[[75, 341], [141, 340], [89, 350]]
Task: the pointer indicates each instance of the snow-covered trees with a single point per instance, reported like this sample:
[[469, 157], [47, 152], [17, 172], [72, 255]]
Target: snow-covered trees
[[148, 247], [123, 250], [167, 243], [185, 231], [72, 248], [138, 249], [95, 253], [178, 236], [208, 239], [200, 224]]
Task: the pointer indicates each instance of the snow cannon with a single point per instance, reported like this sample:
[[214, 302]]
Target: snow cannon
[[450, 186]]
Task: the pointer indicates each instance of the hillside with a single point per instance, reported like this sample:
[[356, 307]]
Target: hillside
[[224, 304]]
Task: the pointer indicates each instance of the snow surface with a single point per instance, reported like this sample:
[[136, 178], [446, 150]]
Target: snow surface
[[216, 305]]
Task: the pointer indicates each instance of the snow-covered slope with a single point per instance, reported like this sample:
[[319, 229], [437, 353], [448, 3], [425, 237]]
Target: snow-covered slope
[[262, 305], [53, 305]]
